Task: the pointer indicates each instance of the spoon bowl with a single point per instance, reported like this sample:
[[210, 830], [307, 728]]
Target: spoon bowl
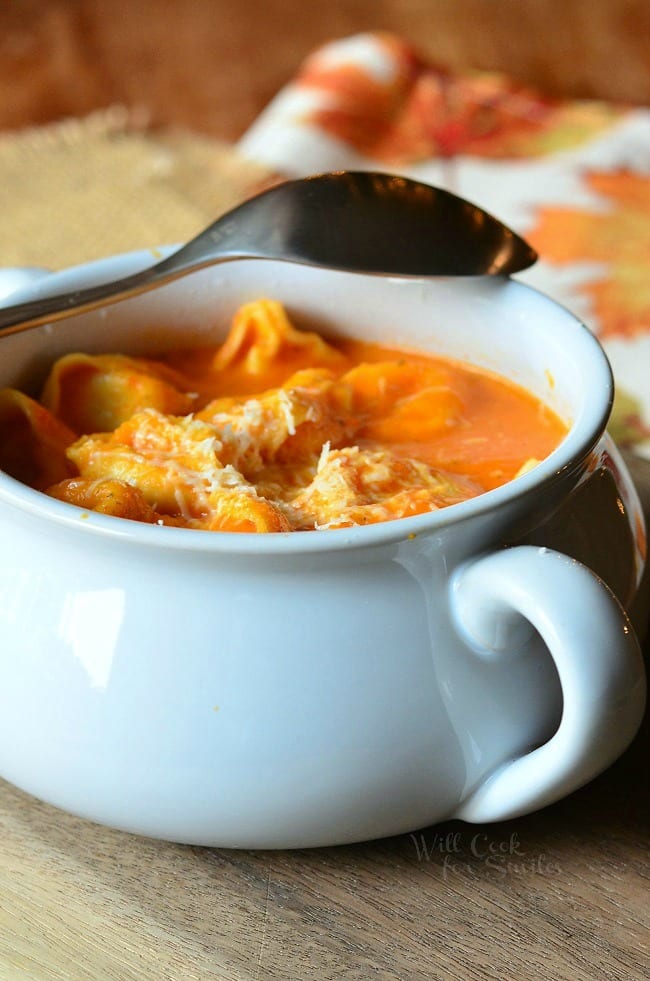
[[352, 221]]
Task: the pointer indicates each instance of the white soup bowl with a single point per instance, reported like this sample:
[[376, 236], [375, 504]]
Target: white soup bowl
[[314, 688]]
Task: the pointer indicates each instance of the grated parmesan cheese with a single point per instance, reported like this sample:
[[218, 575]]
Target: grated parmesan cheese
[[287, 409]]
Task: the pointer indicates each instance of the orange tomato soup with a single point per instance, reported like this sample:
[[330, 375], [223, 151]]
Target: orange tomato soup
[[276, 429]]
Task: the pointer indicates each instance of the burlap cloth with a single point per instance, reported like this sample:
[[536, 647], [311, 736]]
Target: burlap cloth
[[86, 188]]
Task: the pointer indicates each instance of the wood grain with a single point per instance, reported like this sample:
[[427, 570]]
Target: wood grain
[[563, 894], [211, 65]]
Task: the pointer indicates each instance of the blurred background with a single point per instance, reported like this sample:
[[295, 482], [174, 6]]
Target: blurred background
[[212, 65]]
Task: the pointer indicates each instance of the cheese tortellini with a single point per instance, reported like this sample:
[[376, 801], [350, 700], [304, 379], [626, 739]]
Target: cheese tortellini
[[275, 430]]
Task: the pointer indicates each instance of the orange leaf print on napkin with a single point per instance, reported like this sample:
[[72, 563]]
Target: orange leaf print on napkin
[[414, 110], [619, 237]]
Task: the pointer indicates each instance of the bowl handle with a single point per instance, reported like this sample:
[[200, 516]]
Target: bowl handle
[[495, 600]]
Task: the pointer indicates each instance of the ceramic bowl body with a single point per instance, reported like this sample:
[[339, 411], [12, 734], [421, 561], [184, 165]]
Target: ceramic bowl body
[[323, 687]]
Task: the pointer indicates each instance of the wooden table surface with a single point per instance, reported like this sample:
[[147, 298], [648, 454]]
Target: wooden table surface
[[559, 895], [562, 894]]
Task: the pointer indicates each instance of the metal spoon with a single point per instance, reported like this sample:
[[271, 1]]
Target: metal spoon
[[355, 221]]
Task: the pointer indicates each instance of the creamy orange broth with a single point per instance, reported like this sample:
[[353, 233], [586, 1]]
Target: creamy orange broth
[[274, 430]]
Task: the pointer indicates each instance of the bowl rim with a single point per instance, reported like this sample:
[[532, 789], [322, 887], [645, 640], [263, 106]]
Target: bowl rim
[[565, 462]]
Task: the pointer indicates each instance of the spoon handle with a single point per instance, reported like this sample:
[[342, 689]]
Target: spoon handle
[[48, 309]]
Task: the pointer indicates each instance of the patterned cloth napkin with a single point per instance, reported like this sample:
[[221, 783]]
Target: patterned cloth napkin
[[572, 177]]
